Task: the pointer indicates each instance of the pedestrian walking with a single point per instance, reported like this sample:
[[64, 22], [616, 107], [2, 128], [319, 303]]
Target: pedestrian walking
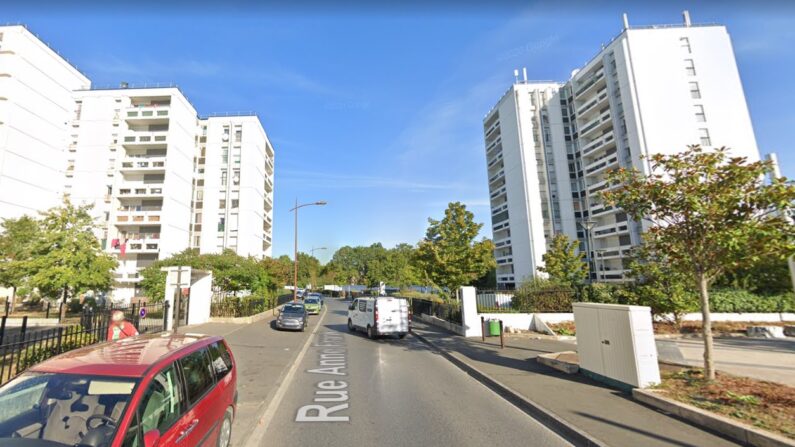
[[119, 327]]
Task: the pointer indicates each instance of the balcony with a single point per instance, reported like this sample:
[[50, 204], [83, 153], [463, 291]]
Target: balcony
[[589, 106], [127, 277], [269, 165], [613, 229], [148, 191], [501, 225], [499, 208], [147, 114], [495, 160], [589, 83], [599, 143], [600, 122], [504, 242], [268, 203], [497, 176], [602, 209], [505, 278], [137, 139], [492, 145], [268, 184], [142, 246], [622, 251], [143, 165], [138, 217], [497, 193], [601, 164], [504, 260]]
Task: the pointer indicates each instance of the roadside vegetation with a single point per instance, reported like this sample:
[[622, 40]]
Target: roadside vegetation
[[766, 405]]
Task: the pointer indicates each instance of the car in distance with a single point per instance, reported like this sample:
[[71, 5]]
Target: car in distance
[[152, 390], [378, 316], [312, 305], [292, 316], [319, 296]]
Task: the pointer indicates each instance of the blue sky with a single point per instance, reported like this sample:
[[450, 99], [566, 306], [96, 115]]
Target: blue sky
[[379, 111]]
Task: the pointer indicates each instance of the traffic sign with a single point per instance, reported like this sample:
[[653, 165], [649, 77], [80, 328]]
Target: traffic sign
[[142, 312]]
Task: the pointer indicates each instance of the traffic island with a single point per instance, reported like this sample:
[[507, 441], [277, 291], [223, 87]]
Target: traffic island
[[565, 361]]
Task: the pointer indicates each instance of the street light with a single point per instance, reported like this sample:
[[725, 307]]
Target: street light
[[588, 226], [313, 249], [295, 252]]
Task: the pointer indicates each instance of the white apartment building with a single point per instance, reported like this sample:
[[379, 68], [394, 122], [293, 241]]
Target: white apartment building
[[36, 113], [139, 156], [651, 89], [233, 193]]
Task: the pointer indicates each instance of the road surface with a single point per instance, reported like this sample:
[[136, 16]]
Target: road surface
[[349, 390]]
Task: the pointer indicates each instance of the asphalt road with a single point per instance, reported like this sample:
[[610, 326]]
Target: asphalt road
[[349, 391]]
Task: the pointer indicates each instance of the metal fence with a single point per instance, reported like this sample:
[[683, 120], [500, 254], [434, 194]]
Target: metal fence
[[232, 307], [449, 311], [23, 346], [494, 301]]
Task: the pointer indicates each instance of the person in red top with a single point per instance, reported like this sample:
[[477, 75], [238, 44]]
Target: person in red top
[[119, 327]]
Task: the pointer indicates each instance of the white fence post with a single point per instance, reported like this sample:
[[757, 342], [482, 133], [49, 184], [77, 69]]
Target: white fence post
[[469, 312]]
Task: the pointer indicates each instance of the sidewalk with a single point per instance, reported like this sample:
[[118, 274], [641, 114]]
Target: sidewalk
[[263, 356], [603, 413]]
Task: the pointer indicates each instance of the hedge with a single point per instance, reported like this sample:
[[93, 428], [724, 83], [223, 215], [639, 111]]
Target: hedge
[[738, 300]]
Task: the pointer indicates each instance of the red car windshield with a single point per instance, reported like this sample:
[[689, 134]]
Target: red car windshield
[[65, 409]]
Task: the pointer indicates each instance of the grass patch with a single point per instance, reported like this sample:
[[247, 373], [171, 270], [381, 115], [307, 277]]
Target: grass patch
[[769, 406], [563, 328]]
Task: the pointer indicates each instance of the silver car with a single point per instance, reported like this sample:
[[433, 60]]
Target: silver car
[[292, 316]]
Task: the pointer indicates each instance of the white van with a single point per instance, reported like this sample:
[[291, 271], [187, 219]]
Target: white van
[[384, 315]]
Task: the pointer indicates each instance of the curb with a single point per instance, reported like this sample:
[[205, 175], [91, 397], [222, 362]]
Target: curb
[[563, 428], [737, 431]]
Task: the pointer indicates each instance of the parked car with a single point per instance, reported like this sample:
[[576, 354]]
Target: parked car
[[380, 316], [312, 305], [153, 390], [292, 316]]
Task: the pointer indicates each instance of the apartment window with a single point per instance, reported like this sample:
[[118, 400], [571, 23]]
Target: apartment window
[[700, 117], [695, 93], [221, 224], [223, 177], [198, 218], [704, 136], [196, 241], [236, 159], [238, 135], [236, 178], [222, 203], [235, 203], [684, 42], [690, 67], [225, 155]]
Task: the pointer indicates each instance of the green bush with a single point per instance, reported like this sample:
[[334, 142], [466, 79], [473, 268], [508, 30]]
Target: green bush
[[420, 296], [738, 300], [542, 295]]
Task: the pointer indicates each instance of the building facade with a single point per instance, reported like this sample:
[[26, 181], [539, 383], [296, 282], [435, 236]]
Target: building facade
[[139, 156], [36, 121], [650, 90]]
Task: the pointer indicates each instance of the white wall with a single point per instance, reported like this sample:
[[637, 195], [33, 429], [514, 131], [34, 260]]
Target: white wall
[[36, 109]]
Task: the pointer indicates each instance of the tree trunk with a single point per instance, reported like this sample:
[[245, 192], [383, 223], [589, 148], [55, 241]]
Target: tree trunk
[[13, 299], [706, 328]]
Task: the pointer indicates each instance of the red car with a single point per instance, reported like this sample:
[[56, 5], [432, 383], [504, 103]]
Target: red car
[[146, 391]]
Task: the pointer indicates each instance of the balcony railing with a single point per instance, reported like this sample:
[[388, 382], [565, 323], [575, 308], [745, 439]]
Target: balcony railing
[[601, 95], [612, 229], [599, 143], [499, 208], [595, 123], [147, 112], [144, 164], [601, 163], [590, 82], [160, 137], [151, 191], [497, 176], [502, 190]]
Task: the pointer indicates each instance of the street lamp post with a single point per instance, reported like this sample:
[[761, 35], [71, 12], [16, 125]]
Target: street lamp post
[[588, 226], [295, 251]]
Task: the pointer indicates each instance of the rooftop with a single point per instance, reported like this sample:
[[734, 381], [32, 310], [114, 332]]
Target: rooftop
[[130, 357]]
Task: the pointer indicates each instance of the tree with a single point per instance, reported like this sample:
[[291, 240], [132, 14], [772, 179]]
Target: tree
[[449, 256], [660, 286], [308, 269], [563, 263], [67, 258], [16, 251], [708, 213]]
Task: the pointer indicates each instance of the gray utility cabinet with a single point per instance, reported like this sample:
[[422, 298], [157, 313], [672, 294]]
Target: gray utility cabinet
[[617, 342]]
